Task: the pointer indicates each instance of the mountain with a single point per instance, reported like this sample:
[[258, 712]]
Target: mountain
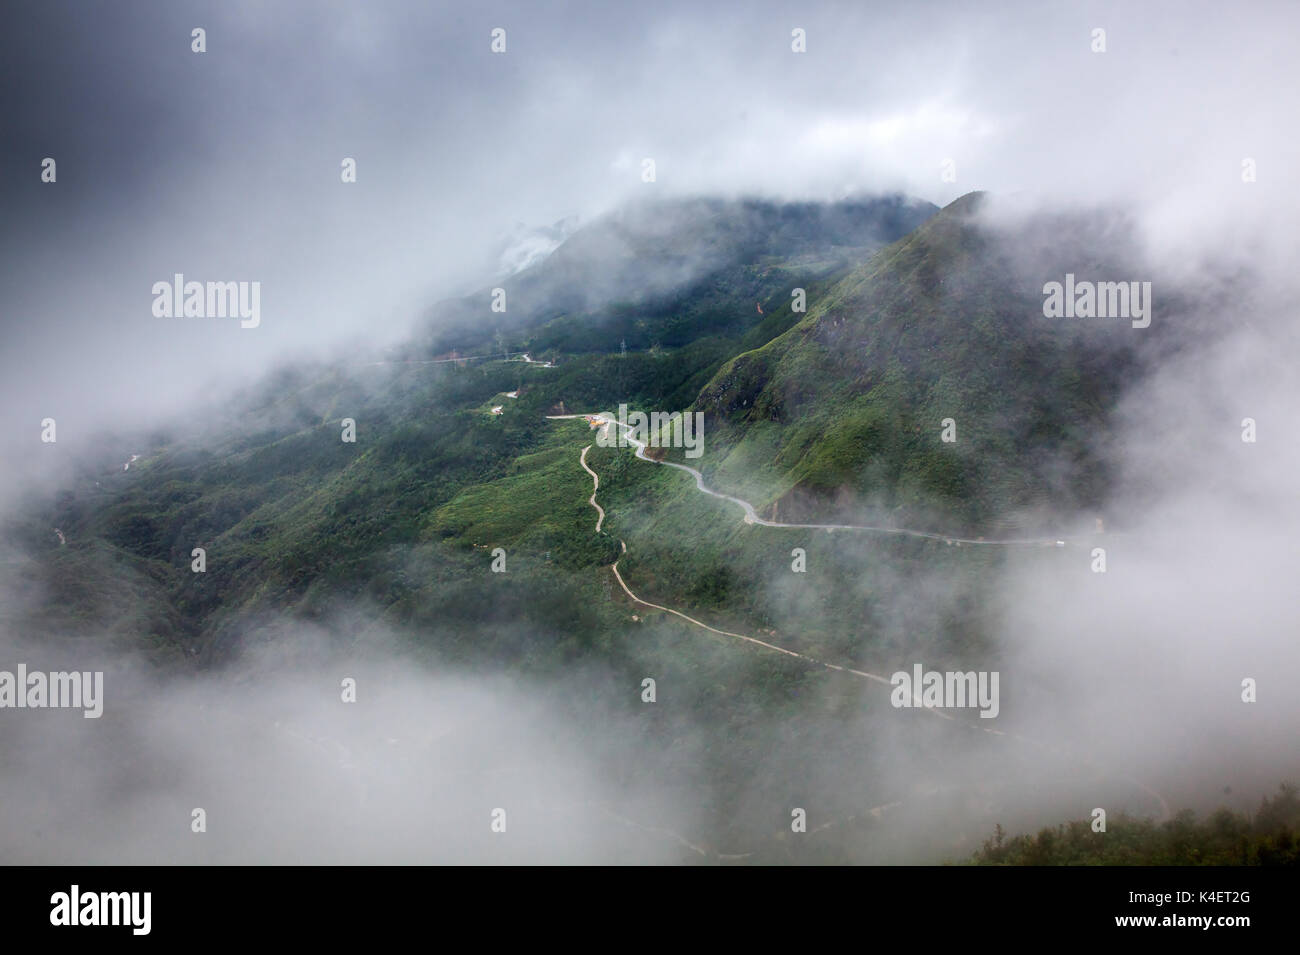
[[833, 414], [302, 520], [525, 247], [913, 316], [843, 414], [664, 273]]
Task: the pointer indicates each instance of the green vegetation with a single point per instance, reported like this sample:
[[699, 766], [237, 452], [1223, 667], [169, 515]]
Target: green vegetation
[[808, 416], [1271, 837], [843, 411]]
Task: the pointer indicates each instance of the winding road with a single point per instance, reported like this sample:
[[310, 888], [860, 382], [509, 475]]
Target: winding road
[[516, 356], [751, 514], [751, 517]]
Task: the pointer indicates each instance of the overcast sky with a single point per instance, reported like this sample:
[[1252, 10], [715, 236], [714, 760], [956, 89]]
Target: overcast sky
[[225, 165]]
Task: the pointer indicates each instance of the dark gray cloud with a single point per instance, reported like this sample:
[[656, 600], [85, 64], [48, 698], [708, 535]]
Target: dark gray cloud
[[225, 165]]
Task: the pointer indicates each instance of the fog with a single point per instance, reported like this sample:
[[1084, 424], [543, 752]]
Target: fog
[[412, 770], [226, 166]]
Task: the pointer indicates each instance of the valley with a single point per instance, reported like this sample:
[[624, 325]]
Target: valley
[[823, 436]]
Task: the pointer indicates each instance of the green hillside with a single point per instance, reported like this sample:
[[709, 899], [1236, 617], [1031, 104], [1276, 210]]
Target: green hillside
[[843, 413], [1270, 837], [835, 413]]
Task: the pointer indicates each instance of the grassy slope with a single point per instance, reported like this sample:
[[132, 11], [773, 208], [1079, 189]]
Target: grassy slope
[[299, 525], [843, 411]]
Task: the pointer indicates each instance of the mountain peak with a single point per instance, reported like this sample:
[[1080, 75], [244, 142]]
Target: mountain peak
[[966, 205]]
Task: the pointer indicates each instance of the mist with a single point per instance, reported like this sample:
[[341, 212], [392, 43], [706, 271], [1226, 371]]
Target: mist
[[472, 166], [286, 770]]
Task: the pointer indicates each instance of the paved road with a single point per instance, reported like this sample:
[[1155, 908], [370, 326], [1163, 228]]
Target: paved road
[[751, 515], [862, 674]]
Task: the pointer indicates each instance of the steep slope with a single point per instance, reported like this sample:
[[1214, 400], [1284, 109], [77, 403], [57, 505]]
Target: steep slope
[[293, 518], [844, 412], [667, 272], [836, 409], [832, 413]]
